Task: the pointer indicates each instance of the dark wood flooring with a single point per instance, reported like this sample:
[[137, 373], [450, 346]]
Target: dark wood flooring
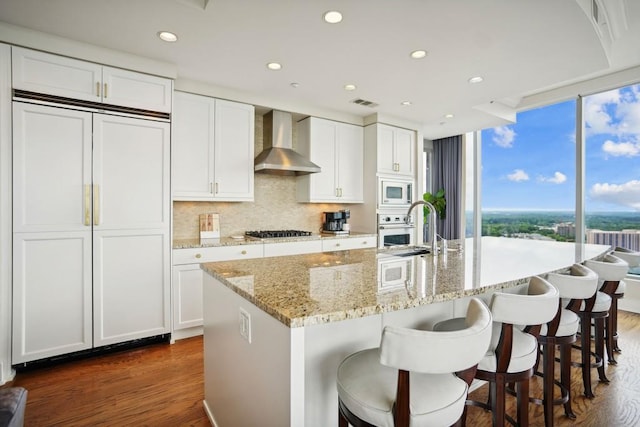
[[162, 385]]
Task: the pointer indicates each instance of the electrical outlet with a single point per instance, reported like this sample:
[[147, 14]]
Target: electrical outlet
[[245, 324]]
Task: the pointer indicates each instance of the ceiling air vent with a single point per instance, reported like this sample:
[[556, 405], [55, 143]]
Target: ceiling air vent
[[365, 103]]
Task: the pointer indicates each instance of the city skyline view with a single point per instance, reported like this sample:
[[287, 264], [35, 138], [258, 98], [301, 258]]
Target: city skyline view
[[530, 165]]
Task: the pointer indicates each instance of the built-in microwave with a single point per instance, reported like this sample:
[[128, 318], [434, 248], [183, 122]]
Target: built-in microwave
[[395, 193]]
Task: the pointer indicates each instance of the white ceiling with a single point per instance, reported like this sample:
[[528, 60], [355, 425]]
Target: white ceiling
[[519, 47]]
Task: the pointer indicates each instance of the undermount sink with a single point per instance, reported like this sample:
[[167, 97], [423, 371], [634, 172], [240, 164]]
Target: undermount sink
[[407, 251]]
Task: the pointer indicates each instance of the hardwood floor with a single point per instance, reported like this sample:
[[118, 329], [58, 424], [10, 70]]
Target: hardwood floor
[[162, 385]]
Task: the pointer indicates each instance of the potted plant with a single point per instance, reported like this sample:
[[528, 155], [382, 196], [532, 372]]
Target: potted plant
[[438, 201]]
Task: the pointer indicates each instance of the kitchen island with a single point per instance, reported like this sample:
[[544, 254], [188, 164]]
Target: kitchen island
[[275, 329]]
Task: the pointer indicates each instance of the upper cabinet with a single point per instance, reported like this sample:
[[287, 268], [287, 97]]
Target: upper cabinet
[[213, 149], [338, 148], [44, 73], [395, 149]]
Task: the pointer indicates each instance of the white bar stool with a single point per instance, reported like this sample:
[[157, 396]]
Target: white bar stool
[[633, 259], [410, 379], [513, 353], [576, 283], [611, 270], [593, 309]]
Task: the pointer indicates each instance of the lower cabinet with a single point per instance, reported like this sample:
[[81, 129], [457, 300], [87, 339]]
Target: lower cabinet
[[188, 277]]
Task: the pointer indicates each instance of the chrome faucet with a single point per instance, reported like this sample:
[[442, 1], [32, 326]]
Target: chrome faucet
[[433, 236]]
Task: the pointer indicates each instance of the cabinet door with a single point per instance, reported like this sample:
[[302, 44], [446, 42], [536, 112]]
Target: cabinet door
[[192, 147], [187, 296], [130, 173], [131, 275], [51, 168], [350, 163], [136, 90], [322, 152], [51, 294], [403, 151], [234, 148], [56, 75], [385, 155]]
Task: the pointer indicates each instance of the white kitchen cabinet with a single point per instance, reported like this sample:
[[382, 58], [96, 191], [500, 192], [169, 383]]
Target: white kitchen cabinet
[[213, 149], [91, 230], [338, 148], [395, 149], [348, 243], [188, 278], [187, 296], [50, 74]]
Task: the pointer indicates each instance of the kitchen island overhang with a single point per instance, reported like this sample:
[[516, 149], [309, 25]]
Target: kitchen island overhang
[[275, 329]]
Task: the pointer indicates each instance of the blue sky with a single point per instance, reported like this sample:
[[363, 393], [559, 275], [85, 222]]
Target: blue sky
[[530, 165]]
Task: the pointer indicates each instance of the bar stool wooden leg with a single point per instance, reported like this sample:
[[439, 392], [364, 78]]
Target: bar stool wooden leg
[[565, 378], [585, 349], [548, 362], [599, 347]]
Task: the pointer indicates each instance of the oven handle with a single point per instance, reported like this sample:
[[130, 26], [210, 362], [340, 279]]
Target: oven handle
[[396, 226]]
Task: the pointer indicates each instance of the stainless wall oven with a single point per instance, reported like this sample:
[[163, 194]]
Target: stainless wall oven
[[394, 231]]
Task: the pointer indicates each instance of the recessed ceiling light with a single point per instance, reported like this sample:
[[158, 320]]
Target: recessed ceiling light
[[476, 79], [332, 17], [167, 36], [350, 87], [406, 103], [274, 66], [294, 85], [418, 54], [448, 116]]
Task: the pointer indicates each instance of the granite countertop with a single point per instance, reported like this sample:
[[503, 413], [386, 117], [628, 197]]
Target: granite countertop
[[232, 241], [304, 290]]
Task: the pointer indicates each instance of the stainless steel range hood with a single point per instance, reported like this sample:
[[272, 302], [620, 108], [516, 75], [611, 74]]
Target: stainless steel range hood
[[278, 156]]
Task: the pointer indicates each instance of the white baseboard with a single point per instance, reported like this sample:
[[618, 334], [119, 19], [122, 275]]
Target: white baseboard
[[181, 334]]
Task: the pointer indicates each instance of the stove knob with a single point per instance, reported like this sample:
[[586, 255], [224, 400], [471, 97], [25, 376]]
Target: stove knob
[[387, 219]]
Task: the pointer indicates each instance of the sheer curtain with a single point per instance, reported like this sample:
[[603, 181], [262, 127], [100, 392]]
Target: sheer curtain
[[447, 164]]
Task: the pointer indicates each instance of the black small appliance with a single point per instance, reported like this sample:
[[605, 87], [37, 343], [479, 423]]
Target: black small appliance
[[334, 222]]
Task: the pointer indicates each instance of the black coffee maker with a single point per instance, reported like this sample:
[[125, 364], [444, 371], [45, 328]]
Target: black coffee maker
[[334, 222]]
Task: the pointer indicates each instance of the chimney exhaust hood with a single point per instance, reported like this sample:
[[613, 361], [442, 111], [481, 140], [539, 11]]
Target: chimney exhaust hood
[[278, 157]]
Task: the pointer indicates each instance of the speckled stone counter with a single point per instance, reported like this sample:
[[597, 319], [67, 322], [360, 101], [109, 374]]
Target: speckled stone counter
[[304, 290], [241, 240], [276, 329]]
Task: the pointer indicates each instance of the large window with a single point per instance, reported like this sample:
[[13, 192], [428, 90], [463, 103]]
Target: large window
[[612, 172], [528, 175]]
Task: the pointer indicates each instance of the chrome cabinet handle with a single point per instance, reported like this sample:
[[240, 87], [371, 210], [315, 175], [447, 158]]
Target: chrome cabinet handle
[[105, 90], [98, 89], [198, 255], [243, 252]]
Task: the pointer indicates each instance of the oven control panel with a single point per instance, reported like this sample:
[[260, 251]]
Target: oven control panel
[[391, 219]]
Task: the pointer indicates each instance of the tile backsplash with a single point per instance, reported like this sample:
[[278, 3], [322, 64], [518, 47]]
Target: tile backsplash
[[274, 206]]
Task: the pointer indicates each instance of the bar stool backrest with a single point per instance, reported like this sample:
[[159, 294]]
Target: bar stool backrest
[[578, 282], [610, 268], [537, 307], [439, 352], [632, 257]]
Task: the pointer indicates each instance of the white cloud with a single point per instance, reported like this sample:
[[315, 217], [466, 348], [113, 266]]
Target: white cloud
[[518, 175], [619, 149], [503, 136], [557, 178], [627, 194], [615, 112]]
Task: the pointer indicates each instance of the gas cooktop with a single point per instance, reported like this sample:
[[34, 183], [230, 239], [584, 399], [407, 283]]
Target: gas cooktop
[[270, 234]]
